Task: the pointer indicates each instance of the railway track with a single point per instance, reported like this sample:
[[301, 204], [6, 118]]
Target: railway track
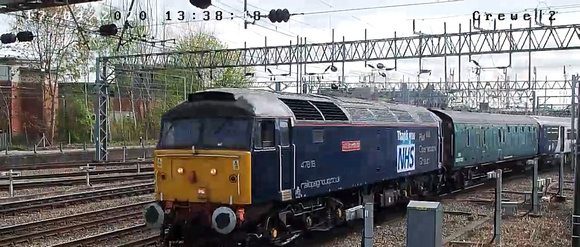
[[25, 233], [73, 164], [76, 181], [78, 174], [74, 198], [150, 241], [398, 213], [141, 228]]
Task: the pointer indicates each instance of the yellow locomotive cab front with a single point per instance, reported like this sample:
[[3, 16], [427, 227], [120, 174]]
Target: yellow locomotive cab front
[[203, 176]]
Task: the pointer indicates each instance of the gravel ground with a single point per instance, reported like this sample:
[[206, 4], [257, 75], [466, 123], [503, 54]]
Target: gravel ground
[[127, 239], [83, 233], [550, 229], [6, 220], [515, 232], [25, 194]]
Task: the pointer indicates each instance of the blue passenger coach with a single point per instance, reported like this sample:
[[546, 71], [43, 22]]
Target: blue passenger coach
[[346, 143]]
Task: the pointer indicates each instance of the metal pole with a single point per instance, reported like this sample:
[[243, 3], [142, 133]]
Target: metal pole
[[6, 140], [369, 225], [184, 89], [88, 176], [561, 177], [576, 214], [11, 184], [124, 153], [143, 148], [535, 188], [573, 124], [138, 168], [497, 220], [246, 14]]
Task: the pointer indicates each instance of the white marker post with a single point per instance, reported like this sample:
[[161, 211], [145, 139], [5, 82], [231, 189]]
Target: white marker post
[[11, 174], [88, 169]]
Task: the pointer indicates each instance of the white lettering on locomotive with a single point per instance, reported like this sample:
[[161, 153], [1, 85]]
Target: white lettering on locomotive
[[320, 182], [307, 164]]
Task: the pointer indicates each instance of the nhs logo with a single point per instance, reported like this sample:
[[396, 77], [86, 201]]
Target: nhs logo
[[405, 151]]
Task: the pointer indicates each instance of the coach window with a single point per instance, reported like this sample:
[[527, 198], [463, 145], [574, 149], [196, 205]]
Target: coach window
[[284, 133], [264, 136], [468, 141]]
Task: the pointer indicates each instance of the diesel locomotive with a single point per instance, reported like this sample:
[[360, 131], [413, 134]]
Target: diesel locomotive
[[245, 166]]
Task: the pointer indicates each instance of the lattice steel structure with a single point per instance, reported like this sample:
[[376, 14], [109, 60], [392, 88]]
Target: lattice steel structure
[[547, 38]]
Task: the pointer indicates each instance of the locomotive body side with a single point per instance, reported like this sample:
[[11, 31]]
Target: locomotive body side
[[353, 156]]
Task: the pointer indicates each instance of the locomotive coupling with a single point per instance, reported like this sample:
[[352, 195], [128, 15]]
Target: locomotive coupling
[[154, 216]]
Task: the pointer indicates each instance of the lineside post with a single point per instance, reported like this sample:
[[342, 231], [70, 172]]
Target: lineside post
[[576, 214], [497, 175], [560, 197], [124, 153], [368, 233], [88, 169], [11, 174], [535, 187]]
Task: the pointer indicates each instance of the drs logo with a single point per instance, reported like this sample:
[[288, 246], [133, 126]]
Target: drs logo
[[405, 158]]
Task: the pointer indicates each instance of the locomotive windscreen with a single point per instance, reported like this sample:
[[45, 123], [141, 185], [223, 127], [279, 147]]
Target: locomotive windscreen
[[206, 133]]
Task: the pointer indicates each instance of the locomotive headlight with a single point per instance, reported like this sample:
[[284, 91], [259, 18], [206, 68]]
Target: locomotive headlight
[[201, 193], [180, 170], [213, 171]]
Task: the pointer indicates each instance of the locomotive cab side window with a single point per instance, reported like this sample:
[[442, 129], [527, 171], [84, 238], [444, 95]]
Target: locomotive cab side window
[[264, 134], [284, 133]]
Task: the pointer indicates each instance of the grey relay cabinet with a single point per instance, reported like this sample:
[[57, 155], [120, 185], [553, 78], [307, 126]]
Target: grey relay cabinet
[[424, 224]]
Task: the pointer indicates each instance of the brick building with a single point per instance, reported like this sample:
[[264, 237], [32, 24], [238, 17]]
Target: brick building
[[26, 97]]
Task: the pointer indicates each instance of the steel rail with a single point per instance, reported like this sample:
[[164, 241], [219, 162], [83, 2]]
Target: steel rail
[[74, 198], [32, 226], [78, 174], [105, 236], [48, 166], [77, 181], [397, 215], [150, 241], [29, 237]]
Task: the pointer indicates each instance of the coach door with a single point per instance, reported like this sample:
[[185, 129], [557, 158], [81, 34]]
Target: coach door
[[286, 158]]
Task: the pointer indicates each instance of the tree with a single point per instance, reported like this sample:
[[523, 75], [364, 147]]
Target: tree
[[155, 89], [58, 47]]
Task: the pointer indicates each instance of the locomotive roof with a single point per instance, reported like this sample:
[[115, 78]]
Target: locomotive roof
[[558, 121], [487, 118], [312, 107]]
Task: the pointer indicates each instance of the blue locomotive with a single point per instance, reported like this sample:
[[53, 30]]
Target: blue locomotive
[[235, 165]]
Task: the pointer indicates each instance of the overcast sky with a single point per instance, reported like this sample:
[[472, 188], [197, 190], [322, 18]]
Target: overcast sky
[[380, 23]]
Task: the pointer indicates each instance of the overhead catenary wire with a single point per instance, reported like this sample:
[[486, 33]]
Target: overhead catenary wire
[[377, 7]]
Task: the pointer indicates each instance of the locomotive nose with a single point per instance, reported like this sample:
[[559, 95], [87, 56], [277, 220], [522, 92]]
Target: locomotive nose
[[154, 216], [223, 220]]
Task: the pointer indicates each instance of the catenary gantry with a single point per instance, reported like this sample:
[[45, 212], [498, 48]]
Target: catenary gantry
[[546, 38]]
